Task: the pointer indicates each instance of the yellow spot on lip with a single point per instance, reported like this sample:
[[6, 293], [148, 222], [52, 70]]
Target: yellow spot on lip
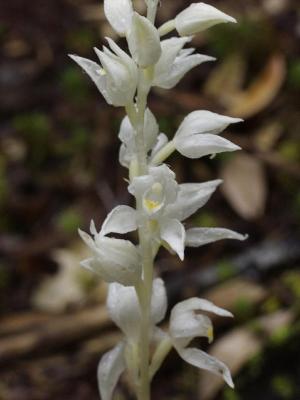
[[151, 204], [210, 334]]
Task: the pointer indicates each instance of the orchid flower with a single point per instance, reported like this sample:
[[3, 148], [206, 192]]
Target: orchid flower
[[185, 325], [136, 301]]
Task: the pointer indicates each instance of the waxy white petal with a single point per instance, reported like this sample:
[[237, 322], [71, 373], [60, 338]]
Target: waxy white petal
[[96, 73], [122, 219], [196, 237], [203, 121], [124, 309], [197, 146], [172, 231], [115, 260], [144, 41], [191, 197], [198, 304], [119, 14], [180, 67], [162, 140], [200, 359], [198, 17], [110, 368], [159, 301]]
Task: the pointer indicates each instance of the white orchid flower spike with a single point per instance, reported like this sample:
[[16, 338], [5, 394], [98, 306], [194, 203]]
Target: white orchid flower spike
[[137, 300]]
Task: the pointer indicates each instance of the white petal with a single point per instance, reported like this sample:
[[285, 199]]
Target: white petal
[[197, 146], [144, 41], [172, 231], [124, 309], [203, 121], [115, 260], [191, 197], [198, 17], [179, 68], [197, 304], [159, 301], [119, 14], [111, 366], [151, 129], [162, 140], [95, 72], [196, 237], [203, 360], [122, 219]]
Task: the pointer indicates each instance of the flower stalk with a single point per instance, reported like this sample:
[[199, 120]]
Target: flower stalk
[[137, 299]]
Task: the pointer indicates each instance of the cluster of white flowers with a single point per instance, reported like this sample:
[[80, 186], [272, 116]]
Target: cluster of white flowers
[[137, 301]]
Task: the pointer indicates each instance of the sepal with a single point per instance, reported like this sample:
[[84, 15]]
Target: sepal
[[198, 17], [143, 41], [119, 14]]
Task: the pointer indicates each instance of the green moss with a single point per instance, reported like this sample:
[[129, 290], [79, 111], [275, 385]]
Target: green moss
[[255, 365], [74, 84], [292, 280], [271, 305], [226, 39], [243, 309], [4, 277], [294, 74], [69, 220], [230, 394], [35, 129], [280, 336], [225, 270], [290, 150], [205, 219], [283, 386], [81, 40]]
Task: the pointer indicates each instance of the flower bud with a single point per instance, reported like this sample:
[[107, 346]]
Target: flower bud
[[115, 260], [198, 17]]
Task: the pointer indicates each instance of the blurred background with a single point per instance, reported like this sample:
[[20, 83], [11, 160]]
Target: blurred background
[[59, 168]]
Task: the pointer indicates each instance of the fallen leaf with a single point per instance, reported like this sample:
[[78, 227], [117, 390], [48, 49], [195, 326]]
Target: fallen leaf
[[226, 80], [226, 295], [262, 91], [70, 286], [245, 185], [267, 136]]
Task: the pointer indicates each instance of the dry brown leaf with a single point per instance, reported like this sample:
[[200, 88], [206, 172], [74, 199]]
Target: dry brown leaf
[[262, 91], [267, 136], [229, 293], [69, 286], [226, 80], [245, 185]]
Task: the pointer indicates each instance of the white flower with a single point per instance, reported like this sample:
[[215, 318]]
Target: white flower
[[143, 41], [186, 324], [117, 78], [115, 260], [119, 14], [124, 310], [174, 62], [198, 17], [197, 137], [128, 149]]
